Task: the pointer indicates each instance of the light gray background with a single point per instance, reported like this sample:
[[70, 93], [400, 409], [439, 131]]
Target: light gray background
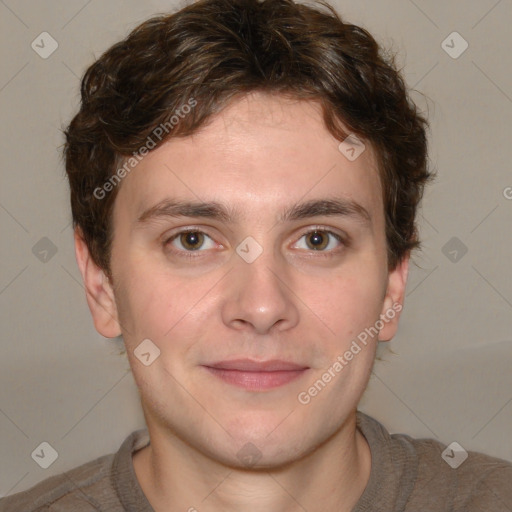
[[450, 379]]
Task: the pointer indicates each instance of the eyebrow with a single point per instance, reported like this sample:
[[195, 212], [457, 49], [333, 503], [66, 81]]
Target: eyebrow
[[172, 208]]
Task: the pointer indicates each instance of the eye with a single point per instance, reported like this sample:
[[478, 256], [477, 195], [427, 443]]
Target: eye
[[190, 240], [320, 239]]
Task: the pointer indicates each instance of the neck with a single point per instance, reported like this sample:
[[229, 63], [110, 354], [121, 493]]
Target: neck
[[175, 476]]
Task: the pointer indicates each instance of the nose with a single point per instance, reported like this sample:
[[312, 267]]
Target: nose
[[259, 295]]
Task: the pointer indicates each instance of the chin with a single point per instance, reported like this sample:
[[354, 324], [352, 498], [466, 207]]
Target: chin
[[264, 444], [256, 456]]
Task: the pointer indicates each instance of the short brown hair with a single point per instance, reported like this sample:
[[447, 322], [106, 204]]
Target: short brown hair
[[216, 50]]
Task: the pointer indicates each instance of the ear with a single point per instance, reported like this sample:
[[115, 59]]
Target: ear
[[394, 299], [99, 292]]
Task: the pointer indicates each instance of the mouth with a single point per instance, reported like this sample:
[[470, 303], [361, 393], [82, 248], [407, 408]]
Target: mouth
[[257, 375]]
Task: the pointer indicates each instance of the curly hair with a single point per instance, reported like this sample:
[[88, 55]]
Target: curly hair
[[213, 51]]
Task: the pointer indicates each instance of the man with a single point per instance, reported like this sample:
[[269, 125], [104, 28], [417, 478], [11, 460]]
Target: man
[[244, 182]]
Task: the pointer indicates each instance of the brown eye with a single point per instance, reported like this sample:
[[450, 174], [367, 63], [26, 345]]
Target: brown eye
[[191, 240], [191, 244], [317, 240], [321, 241]]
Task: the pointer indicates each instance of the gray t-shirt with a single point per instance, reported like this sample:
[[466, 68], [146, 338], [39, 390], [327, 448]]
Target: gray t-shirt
[[407, 475]]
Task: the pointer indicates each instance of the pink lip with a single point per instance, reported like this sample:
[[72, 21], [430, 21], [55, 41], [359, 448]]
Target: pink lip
[[256, 375], [248, 365]]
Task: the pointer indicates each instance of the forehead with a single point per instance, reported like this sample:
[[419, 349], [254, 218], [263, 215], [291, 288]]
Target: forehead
[[257, 155]]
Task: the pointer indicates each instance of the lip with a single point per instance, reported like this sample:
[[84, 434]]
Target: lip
[[257, 375], [249, 365]]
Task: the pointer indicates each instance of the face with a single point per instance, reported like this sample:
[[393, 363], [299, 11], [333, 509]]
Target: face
[[254, 276]]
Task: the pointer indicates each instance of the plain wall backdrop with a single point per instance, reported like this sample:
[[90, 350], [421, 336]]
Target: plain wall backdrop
[[448, 376]]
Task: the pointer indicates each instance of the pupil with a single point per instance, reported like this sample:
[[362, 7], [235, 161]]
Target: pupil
[[192, 239], [317, 239]]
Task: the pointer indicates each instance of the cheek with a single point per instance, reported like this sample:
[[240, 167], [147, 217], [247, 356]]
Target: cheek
[[145, 301], [157, 305], [353, 303]]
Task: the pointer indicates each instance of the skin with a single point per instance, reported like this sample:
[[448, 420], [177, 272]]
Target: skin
[[261, 154]]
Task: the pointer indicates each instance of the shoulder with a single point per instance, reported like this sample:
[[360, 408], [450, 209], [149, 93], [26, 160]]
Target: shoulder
[[470, 480], [71, 490], [430, 475], [89, 487]]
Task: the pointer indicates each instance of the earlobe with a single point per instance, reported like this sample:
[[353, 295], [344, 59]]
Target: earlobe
[[394, 299], [99, 292]]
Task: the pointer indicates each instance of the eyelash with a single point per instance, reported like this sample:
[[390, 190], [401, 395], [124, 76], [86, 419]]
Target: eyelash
[[192, 254]]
